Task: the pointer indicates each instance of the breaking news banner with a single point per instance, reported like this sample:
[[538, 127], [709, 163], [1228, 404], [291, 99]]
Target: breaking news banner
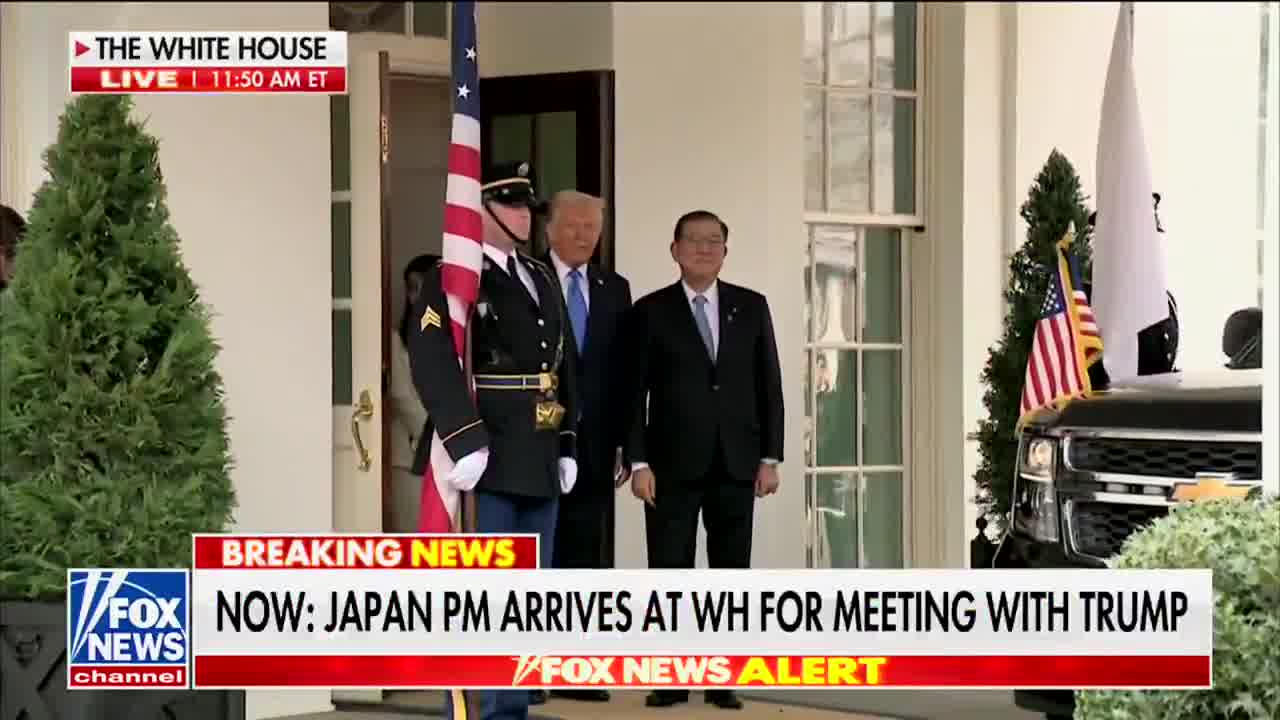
[[208, 62], [451, 611]]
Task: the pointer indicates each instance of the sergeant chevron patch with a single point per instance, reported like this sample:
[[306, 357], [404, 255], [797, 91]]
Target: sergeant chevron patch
[[430, 318]]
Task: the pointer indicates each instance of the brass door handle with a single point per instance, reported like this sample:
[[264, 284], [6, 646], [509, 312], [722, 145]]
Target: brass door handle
[[364, 410]]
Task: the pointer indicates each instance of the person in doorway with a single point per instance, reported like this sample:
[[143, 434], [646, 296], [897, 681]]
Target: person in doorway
[[597, 301], [12, 228], [408, 416], [706, 360], [514, 445]]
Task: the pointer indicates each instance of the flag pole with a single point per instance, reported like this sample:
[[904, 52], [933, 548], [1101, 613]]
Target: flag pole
[[467, 502]]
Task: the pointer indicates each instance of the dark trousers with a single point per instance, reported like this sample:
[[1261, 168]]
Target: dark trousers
[[584, 526], [727, 507], [502, 513]]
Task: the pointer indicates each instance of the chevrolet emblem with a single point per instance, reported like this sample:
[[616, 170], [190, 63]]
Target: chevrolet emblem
[[1210, 486], [430, 318]]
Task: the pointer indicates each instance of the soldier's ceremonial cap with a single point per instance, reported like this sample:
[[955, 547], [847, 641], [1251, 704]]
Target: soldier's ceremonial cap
[[509, 184]]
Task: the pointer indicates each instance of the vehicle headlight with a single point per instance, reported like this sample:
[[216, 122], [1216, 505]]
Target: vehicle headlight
[[1035, 461], [1035, 507]]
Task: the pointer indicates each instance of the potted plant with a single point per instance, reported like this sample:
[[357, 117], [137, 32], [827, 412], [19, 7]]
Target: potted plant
[[113, 440], [1240, 541]]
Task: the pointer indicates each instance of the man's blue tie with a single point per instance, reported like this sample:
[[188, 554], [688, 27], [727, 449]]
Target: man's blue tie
[[577, 309], [704, 326]]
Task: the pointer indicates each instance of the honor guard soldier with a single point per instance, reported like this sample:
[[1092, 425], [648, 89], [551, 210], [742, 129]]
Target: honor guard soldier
[[514, 444]]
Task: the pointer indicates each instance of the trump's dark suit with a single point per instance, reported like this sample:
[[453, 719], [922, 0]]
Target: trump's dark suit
[[583, 533], [709, 423]]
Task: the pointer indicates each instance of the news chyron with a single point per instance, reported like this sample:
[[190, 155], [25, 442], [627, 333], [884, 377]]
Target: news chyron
[[281, 63], [128, 629]]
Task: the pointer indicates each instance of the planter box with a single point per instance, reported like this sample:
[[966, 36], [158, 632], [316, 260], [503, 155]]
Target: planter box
[[33, 678]]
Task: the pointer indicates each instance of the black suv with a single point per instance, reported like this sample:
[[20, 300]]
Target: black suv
[[1102, 467]]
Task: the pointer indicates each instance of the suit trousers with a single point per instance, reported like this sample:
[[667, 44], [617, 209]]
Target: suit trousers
[[584, 525], [727, 507], [503, 513]]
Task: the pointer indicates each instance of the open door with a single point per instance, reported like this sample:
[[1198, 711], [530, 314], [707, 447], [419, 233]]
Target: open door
[[562, 124], [360, 475]]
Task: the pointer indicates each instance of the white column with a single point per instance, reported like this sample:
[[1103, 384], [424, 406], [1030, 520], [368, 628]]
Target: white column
[[1271, 258]]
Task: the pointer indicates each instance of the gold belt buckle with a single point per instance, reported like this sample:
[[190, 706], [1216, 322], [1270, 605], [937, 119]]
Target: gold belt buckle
[[547, 382]]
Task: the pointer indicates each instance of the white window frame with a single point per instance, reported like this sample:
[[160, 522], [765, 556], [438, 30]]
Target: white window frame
[[907, 225]]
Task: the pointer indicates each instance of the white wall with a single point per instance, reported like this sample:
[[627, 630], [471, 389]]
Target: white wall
[[248, 183], [1197, 74], [708, 116], [529, 38]]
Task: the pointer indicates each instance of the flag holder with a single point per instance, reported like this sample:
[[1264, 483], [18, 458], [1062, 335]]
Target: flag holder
[[467, 512]]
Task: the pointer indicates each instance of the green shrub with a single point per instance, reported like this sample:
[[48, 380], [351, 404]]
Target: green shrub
[[1240, 542], [111, 412]]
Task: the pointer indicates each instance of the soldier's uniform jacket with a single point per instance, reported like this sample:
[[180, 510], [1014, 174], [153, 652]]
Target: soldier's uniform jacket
[[516, 345]]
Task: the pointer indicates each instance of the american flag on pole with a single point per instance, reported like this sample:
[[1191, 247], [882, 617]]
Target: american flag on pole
[[1066, 341], [463, 253]]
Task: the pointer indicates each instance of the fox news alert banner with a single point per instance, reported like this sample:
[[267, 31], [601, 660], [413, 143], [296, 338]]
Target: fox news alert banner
[[208, 62], [461, 611]]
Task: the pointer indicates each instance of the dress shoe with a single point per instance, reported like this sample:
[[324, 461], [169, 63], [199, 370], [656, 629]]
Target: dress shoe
[[666, 698], [723, 699], [537, 697], [584, 695]]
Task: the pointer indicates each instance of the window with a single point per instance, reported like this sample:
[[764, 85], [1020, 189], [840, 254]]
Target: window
[[425, 19], [862, 197]]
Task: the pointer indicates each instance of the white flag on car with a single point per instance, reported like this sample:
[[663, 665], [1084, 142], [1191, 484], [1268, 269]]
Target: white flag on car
[[1129, 266]]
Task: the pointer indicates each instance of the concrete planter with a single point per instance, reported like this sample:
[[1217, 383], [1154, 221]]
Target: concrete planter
[[33, 678]]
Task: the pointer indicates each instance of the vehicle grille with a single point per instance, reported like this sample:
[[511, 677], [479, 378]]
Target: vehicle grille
[[1166, 458], [1100, 529]]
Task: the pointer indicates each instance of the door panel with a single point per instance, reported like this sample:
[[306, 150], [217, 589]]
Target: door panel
[[360, 478], [358, 472], [562, 124]]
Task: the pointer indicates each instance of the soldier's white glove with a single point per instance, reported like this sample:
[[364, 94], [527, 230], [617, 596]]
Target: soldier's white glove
[[568, 474], [467, 472]]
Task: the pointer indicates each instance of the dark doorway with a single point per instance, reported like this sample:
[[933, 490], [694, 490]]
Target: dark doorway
[[562, 124]]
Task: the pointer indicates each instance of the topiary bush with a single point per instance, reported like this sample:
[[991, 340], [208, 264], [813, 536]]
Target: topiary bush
[[1240, 541], [113, 441], [1054, 204]]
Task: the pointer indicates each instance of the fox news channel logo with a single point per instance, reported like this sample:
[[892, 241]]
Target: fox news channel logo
[[128, 629]]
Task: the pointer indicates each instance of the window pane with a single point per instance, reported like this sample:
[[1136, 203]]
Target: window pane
[[385, 17], [557, 138], [342, 357], [340, 248], [896, 45], [895, 156], [837, 407], [850, 38], [882, 520], [814, 177], [512, 138], [835, 278], [431, 19], [882, 403], [835, 512], [339, 142], [850, 153], [809, 302], [813, 63], [883, 286], [808, 408]]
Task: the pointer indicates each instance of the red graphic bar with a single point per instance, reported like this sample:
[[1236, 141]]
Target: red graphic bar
[[366, 552], [506, 671], [231, 80]]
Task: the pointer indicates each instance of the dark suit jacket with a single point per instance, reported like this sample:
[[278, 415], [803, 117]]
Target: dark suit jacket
[[695, 406], [510, 335], [602, 424]]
